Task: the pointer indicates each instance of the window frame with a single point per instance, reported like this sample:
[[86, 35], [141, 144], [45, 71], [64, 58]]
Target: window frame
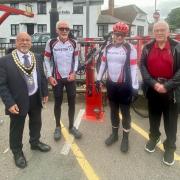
[[80, 30], [41, 8], [104, 26], [15, 29], [42, 28], [75, 10], [140, 30]]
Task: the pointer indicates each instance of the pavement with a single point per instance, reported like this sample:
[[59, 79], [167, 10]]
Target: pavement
[[87, 158]]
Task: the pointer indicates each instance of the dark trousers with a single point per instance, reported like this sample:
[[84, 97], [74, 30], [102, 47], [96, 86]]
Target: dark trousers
[[58, 98], [119, 96], [158, 105], [17, 125]]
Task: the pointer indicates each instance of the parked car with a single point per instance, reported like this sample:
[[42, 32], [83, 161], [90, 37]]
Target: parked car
[[40, 37]]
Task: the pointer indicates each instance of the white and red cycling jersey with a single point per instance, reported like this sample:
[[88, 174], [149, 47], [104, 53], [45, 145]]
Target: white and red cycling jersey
[[63, 54], [113, 60]]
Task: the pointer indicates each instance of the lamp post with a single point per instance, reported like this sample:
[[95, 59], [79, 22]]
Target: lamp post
[[87, 18], [54, 17], [156, 14]]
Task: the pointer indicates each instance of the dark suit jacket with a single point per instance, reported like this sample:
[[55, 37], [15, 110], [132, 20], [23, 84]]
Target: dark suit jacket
[[13, 87]]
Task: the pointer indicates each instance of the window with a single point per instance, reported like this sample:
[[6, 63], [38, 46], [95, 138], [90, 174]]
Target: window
[[140, 30], [77, 9], [14, 5], [102, 30], [41, 7], [14, 29], [42, 28], [79, 29]]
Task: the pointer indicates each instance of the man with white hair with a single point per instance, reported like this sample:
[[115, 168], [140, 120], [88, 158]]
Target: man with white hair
[[62, 52], [160, 68]]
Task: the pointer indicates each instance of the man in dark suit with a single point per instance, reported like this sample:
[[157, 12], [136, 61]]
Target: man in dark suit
[[23, 89]]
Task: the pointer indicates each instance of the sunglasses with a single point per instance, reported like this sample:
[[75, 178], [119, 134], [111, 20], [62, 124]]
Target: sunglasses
[[117, 34], [64, 29]]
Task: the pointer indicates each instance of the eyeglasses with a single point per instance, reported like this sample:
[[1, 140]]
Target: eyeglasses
[[117, 34], [159, 30], [23, 40], [64, 29]]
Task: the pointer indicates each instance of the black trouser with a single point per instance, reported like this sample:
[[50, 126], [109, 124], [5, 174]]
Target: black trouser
[[119, 96], [58, 98], [17, 125], [159, 104]]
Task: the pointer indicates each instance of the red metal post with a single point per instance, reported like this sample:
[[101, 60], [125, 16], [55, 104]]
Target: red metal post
[[177, 37], [94, 107], [4, 16]]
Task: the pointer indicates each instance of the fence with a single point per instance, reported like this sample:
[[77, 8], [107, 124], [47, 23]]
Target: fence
[[94, 47]]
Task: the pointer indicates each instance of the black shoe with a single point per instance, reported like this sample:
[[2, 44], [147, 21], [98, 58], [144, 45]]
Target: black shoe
[[75, 133], [57, 134], [20, 160], [111, 139], [41, 147], [150, 145], [124, 144], [168, 158]]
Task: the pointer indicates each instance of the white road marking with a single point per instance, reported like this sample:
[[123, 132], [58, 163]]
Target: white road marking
[[67, 145]]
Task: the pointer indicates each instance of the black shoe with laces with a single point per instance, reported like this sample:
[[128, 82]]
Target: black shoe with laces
[[75, 133], [20, 160], [111, 139], [150, 145], [168, 158]]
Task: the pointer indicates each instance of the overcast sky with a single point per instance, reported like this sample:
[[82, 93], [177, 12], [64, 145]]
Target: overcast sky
[[148, 6]]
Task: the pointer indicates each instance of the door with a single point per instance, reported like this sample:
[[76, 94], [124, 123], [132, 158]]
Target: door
[[30, 29]]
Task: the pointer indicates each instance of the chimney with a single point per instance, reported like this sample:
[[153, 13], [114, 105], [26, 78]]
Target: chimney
[[111, 7]]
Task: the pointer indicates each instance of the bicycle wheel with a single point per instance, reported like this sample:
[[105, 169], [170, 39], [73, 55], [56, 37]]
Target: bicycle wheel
[[140, 106]]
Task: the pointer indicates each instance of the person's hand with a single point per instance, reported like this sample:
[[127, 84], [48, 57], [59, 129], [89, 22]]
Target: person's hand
[[71, 77], [45, 100], [134, 95], [98, 86], [14, 109], [52, 81], [160, 88]]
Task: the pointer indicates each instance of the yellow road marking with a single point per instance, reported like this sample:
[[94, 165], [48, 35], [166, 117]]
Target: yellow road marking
[[86, 167], [145, 135]]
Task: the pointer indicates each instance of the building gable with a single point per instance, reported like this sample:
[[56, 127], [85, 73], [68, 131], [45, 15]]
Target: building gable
[[126, 13]]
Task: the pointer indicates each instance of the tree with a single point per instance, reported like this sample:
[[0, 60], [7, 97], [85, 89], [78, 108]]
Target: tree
[[174, 18]]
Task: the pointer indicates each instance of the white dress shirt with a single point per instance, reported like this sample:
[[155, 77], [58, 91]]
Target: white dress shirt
[[20, 55]]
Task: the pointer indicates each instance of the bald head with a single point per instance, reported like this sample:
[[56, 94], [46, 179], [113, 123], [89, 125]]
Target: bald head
[[161, 23], [62, 29], [23, 42], [161, 31], [63, 24], [23, 35]]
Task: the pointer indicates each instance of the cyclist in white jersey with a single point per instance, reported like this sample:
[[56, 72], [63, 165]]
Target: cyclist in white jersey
[[62, 52], [120, 61]]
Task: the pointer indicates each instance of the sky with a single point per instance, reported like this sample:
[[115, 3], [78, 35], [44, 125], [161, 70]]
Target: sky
[[148, 6]]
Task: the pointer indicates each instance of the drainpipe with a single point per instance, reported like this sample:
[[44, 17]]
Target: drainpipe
[[54, 17], [87, 18]]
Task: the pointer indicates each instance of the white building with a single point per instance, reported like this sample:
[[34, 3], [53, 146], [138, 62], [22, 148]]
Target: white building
[[83, 15], [131, 14], [73, 11]]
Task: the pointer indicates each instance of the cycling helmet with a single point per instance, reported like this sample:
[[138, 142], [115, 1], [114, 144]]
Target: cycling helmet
[[121, 28]]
